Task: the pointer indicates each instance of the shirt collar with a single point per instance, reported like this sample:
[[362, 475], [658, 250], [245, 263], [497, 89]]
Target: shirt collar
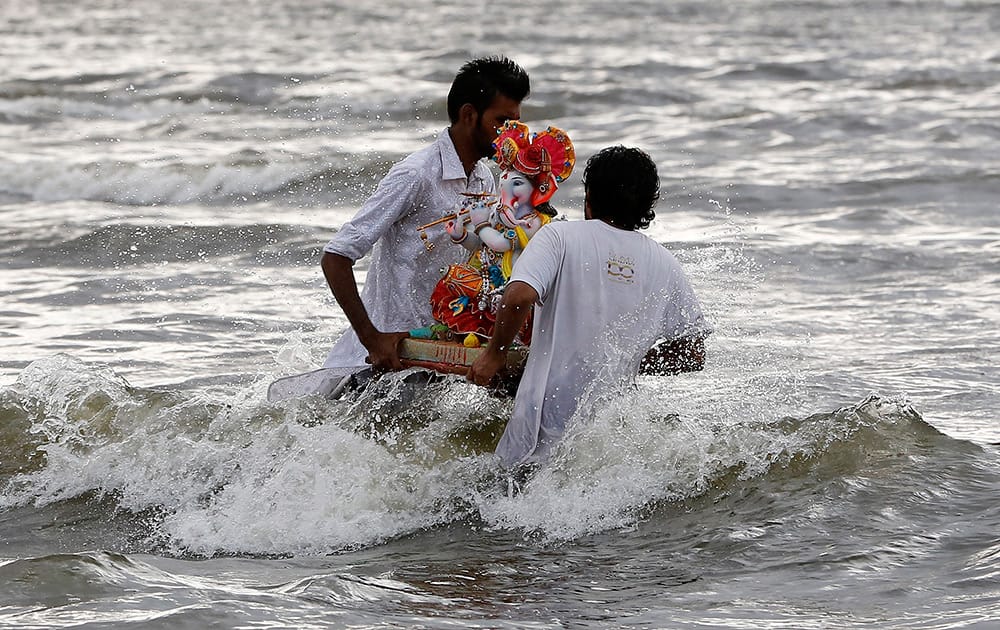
[[451, 164]]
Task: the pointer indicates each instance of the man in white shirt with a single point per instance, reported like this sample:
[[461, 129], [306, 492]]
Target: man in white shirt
[[604, 295], [423, 187]]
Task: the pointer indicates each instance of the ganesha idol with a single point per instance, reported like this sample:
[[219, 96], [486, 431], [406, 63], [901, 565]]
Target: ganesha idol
[[495, 231]]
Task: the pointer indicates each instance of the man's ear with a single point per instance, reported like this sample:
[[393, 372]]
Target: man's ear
[[467, 115]]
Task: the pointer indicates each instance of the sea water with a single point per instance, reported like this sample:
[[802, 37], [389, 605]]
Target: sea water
[[169, 173]]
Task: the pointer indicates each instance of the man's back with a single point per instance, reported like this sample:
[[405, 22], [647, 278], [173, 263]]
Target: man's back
[[606, 295]]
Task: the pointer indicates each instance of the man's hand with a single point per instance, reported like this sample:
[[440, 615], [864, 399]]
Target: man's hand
[[485, 368], [383, 351], [673, 357], [515, 306]]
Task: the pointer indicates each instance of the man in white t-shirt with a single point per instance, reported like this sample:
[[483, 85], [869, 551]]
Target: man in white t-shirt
[[604, 295], [424, 186]]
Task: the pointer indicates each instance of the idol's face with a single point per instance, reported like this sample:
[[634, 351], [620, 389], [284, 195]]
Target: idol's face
[[515, 192]]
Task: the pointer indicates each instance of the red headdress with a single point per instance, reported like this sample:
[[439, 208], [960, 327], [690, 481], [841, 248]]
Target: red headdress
[[546, 157]]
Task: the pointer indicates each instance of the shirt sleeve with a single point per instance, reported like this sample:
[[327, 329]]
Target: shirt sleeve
[[538, 264], [395, 195], [683, 316]]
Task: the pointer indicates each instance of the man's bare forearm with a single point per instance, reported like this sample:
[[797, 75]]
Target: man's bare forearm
[[339, 273], [514, 309], [515, 306], [383, 347]]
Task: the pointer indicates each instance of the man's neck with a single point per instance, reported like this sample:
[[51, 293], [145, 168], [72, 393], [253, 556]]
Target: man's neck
[[465, 149], [613, 224]]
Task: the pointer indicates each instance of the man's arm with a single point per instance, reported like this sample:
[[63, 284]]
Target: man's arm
[[515, 306], [382, 347], [673, 357]]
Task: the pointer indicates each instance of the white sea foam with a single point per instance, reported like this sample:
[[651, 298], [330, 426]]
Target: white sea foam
[[150, 183], [313, 476]]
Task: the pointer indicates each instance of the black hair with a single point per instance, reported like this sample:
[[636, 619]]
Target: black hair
[[479, 81], [546, 208], [622, 187]]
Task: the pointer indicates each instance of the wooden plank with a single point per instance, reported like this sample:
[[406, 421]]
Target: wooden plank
[[452, 357]]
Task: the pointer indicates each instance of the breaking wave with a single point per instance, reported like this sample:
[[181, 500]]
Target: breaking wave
[[229, 474]]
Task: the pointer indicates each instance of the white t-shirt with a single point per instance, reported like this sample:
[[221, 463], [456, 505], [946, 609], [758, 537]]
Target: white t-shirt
[[424, 186], [605, 297]]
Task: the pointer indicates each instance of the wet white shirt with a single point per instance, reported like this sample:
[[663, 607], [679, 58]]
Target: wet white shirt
[[605, 297], [424, 186]]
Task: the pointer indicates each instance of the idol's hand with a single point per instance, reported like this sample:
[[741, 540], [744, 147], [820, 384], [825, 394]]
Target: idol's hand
[[456, 228], [481, 214]]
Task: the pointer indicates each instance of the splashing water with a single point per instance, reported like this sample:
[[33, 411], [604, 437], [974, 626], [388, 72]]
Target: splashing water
[[315, 476]]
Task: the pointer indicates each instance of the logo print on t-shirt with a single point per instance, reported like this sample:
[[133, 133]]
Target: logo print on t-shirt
[[621, 268]]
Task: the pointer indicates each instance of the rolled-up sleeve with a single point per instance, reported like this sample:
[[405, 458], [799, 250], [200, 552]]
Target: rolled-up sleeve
[[395, 195], [538, 264], [683, 317]]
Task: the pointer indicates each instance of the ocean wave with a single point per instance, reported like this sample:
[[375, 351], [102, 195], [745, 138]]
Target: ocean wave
[[102, 575], [128, 244], [630, 460], [924, 79], [232, 474], [186, 97], [242, 177], [796, 71]]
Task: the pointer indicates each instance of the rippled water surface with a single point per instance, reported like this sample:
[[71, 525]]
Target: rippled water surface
[[169, 172]]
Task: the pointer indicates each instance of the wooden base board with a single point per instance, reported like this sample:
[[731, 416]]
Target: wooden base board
[[451, 357]]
